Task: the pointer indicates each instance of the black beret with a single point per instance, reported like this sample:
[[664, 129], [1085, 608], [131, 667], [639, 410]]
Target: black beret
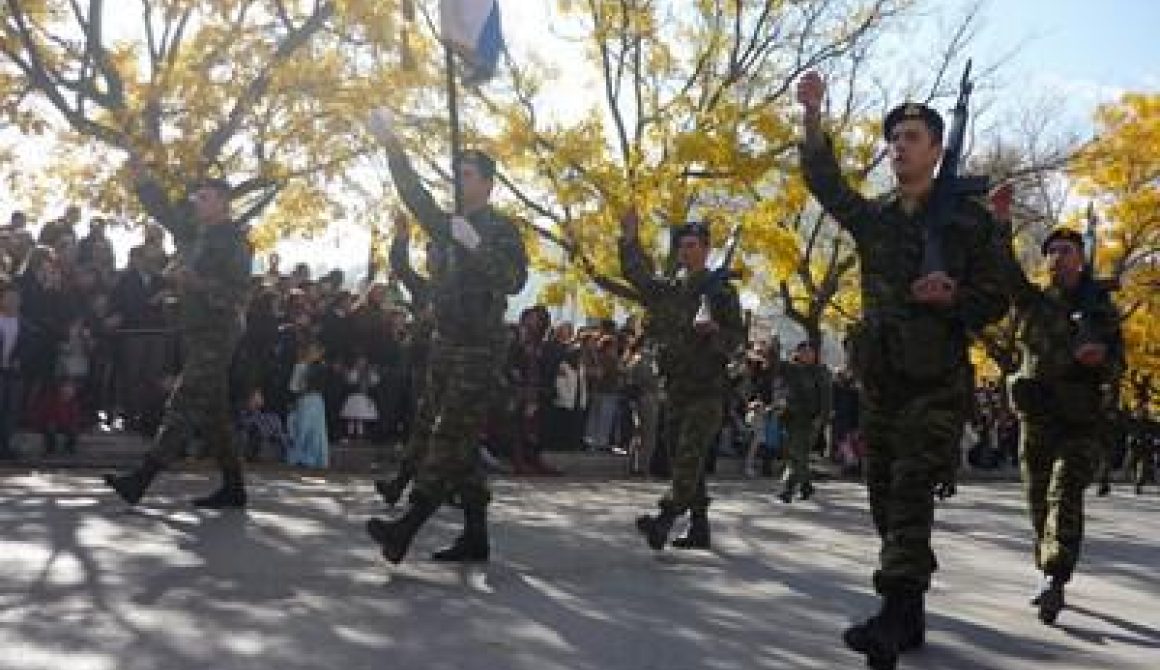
[[1063, 233], [694, 228], [913, 110]]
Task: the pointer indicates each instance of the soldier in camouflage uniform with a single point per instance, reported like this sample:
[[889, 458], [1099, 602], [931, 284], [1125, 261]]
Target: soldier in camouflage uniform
[[1143, 439], [809, 400], [1071, 352], [423, 321], [212, 276], [695, 345], [480, 261], [909, 350]]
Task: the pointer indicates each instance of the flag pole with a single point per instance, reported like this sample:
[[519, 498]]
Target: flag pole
[[456, 136], [456, 142]]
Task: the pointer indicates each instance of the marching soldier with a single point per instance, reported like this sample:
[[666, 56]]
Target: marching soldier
[[212, 277], [807, 410], [418, 288], [1071, 354], [481, 261], [909, 350], [697, 324]]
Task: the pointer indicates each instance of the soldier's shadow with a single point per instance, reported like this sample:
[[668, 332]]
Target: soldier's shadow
[[219, 556], [1134, 634]]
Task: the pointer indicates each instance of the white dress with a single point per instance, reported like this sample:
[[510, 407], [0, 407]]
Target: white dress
[[359, 406]]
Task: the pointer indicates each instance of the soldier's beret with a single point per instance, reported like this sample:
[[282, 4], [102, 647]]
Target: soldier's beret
[[215, 183], [913, 110], [1063, 233], [698, 229]]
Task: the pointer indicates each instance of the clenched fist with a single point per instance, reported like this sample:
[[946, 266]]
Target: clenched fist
[[810, 91]]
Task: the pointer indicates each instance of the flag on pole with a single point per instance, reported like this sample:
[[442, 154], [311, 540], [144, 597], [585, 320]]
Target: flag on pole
[[472, 29]]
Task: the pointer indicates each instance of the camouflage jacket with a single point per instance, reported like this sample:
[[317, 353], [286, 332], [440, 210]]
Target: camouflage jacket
[[219, 257], [693, 364], [399, 259], [1051, 324], [468, 289], [899, 339], [808, 391]]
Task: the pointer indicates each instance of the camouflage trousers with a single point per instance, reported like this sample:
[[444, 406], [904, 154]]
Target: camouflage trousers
[[199, 403], [911, 441], [1057, 465], [415, 448], [694, 425], [457, 395], [800, 438]]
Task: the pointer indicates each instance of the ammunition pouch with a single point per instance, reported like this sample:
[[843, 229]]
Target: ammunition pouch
[[924, 348], [921, 348]]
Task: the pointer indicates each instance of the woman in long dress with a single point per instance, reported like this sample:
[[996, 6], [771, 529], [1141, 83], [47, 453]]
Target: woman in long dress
[[309, 446]]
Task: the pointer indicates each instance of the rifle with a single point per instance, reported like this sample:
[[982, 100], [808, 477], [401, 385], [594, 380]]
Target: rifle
[[1091, 242], [948, 184], [721, 272]]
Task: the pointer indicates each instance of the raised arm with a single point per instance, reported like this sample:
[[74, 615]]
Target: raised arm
[[177, 218], [407, 183], [634, 264], [399, 259], [416, 196], [823, 175]]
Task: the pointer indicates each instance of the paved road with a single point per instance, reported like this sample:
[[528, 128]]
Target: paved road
[[292, 583]]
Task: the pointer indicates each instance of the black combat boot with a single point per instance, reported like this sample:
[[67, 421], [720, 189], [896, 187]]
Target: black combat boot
[[807, 490], [1050, 600], [786, 496], [472, 545], [394, 537], [231, 495], [1104, 489], [132, 486], [914, 628], [898, 627], [698, 535], [390, 490], [656, 529]]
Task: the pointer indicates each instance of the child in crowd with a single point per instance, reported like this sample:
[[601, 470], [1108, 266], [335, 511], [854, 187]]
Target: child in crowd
[[56, 414], [359, 408], [72, 361], [262, 432], [309, 446]]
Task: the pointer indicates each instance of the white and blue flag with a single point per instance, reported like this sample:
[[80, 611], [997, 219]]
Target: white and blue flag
[[472, 29]]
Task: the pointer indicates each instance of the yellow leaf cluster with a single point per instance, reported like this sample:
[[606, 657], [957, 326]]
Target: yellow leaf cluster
[[1120, 170]]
